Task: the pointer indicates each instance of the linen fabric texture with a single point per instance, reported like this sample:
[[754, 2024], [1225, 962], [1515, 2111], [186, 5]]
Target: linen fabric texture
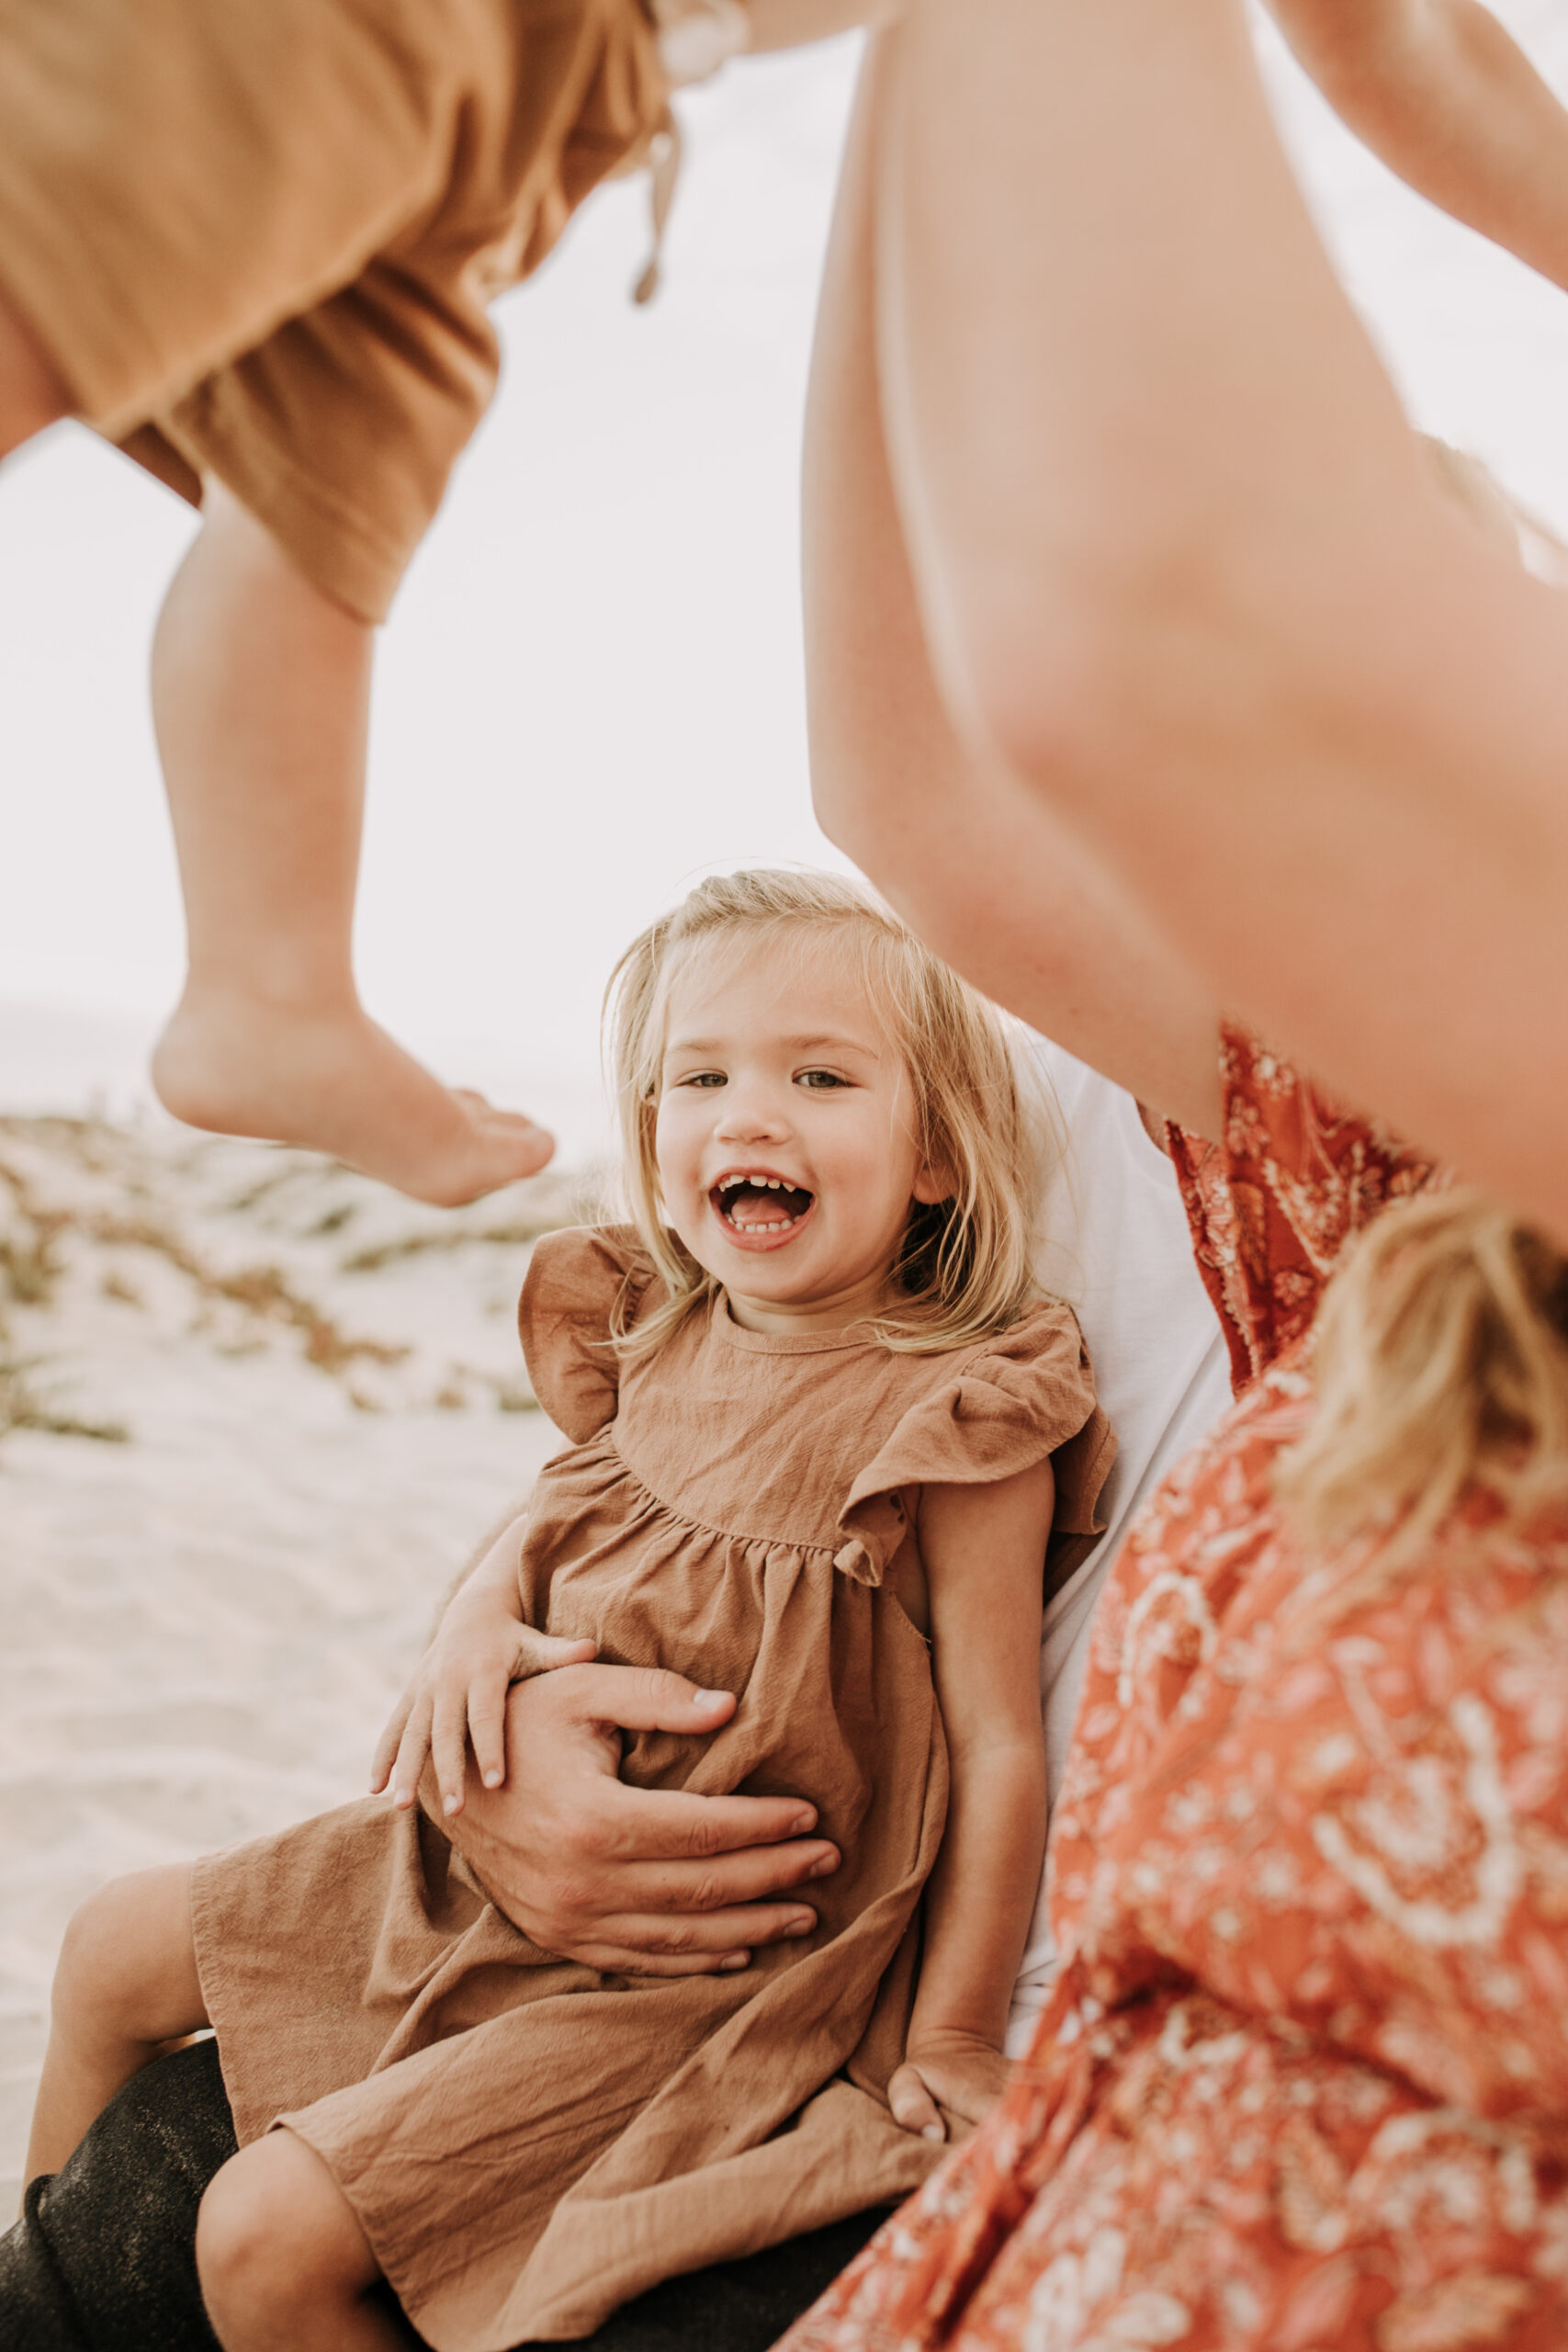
[[528, 2143], [1303, 2081], [258, 237], [104, 2256]]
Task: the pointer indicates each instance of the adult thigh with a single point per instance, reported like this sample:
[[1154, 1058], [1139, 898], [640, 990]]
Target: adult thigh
[[104, 2258]]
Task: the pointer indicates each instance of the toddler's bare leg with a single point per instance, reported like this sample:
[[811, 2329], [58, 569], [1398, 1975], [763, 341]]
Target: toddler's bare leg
[[284, 2264], [260, 689], [126, 1984], [31, 394]]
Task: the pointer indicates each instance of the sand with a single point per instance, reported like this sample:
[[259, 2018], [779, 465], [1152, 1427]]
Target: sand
[[255, 1411]]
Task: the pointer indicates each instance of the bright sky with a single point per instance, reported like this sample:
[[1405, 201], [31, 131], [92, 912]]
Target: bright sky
[[590, 689]]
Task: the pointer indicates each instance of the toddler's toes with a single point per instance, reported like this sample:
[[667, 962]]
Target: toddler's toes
[[327, 1077], [510, 1140]]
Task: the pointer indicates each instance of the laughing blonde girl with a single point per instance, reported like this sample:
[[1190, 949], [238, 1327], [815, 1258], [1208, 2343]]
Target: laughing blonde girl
[[826, 1439]]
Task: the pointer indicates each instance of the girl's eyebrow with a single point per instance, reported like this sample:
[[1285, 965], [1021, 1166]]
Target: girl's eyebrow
[[826, 1041]]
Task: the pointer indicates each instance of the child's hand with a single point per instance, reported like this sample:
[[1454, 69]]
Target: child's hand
[[458, 1693], [955, 2071]]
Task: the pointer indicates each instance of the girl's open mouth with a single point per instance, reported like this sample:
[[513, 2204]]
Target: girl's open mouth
[[758, 1207]]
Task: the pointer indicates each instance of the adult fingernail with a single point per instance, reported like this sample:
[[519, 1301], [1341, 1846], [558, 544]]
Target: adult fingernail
[[448, 1804], [801, 1923], [734, 1959], [933, 2131], [711, 1698], [492, 1780], [802, 1822], [820, 1868]]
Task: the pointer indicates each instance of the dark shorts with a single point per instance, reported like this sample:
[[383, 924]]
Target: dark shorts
[[104, 2259]]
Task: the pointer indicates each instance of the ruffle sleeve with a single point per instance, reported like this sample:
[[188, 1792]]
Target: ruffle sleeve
[[569, 1292], [1029, 1393], [1273, 1204]]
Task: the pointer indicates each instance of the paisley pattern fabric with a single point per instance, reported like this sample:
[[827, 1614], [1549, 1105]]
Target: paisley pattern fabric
[[1303, 2084]]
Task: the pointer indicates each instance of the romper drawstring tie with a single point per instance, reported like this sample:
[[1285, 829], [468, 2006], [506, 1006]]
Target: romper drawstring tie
[[695, 37]]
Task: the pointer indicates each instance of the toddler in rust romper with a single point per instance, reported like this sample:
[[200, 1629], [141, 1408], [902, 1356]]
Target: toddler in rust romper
[[254, 241], [828, 1444]]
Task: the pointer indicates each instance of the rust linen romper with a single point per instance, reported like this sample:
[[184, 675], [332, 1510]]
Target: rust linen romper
[[527, 2141], [259, 238]]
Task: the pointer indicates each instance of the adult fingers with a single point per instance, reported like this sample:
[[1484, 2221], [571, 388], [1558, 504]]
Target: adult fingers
[[761, 1876], [913, 2105], [658, 1936], [627, 1960], [652, 1944], [670, 1825], [645, 1698]]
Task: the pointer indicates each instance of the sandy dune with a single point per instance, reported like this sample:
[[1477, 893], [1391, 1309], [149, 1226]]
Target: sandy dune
[[254, 1411]]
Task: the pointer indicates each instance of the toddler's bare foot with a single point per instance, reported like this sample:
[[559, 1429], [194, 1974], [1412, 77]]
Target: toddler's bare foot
[[333, 1081]]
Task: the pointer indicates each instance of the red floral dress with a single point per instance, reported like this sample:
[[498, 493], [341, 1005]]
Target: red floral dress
[[1304, 2085]]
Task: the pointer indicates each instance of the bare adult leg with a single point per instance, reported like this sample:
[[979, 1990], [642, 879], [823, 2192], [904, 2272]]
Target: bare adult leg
[[104, 2260], [261, 689], [1183, 577]]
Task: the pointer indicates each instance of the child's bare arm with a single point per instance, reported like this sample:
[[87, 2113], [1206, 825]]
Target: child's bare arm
[[457, 1691], [983, 1549], [1450, 103]]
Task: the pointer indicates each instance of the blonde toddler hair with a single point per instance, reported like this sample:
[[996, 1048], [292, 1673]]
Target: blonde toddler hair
[[965, 1264]]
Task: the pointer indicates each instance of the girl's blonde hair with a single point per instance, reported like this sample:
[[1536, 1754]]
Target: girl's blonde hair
[[1440, 1357], [965, 1266]]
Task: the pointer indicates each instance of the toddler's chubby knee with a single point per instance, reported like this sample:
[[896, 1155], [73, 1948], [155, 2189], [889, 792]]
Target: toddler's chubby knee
[[274, 2231], [98, 1979], [247, 2227]]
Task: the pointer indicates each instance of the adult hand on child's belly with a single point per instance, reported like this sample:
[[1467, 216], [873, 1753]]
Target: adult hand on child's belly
[[651, 1883]]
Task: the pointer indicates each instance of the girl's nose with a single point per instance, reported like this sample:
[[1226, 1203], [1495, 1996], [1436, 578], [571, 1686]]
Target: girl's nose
[[749, 1115]]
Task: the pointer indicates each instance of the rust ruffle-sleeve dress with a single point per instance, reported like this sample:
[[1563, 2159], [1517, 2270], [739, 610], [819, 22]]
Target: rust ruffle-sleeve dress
[[527, 2141], [1304, 2085]]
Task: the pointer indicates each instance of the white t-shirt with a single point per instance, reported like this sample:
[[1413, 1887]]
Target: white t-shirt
[[1116, 1247]]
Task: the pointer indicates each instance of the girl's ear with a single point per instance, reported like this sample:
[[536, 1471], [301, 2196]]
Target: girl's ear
[[933, 1183]]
